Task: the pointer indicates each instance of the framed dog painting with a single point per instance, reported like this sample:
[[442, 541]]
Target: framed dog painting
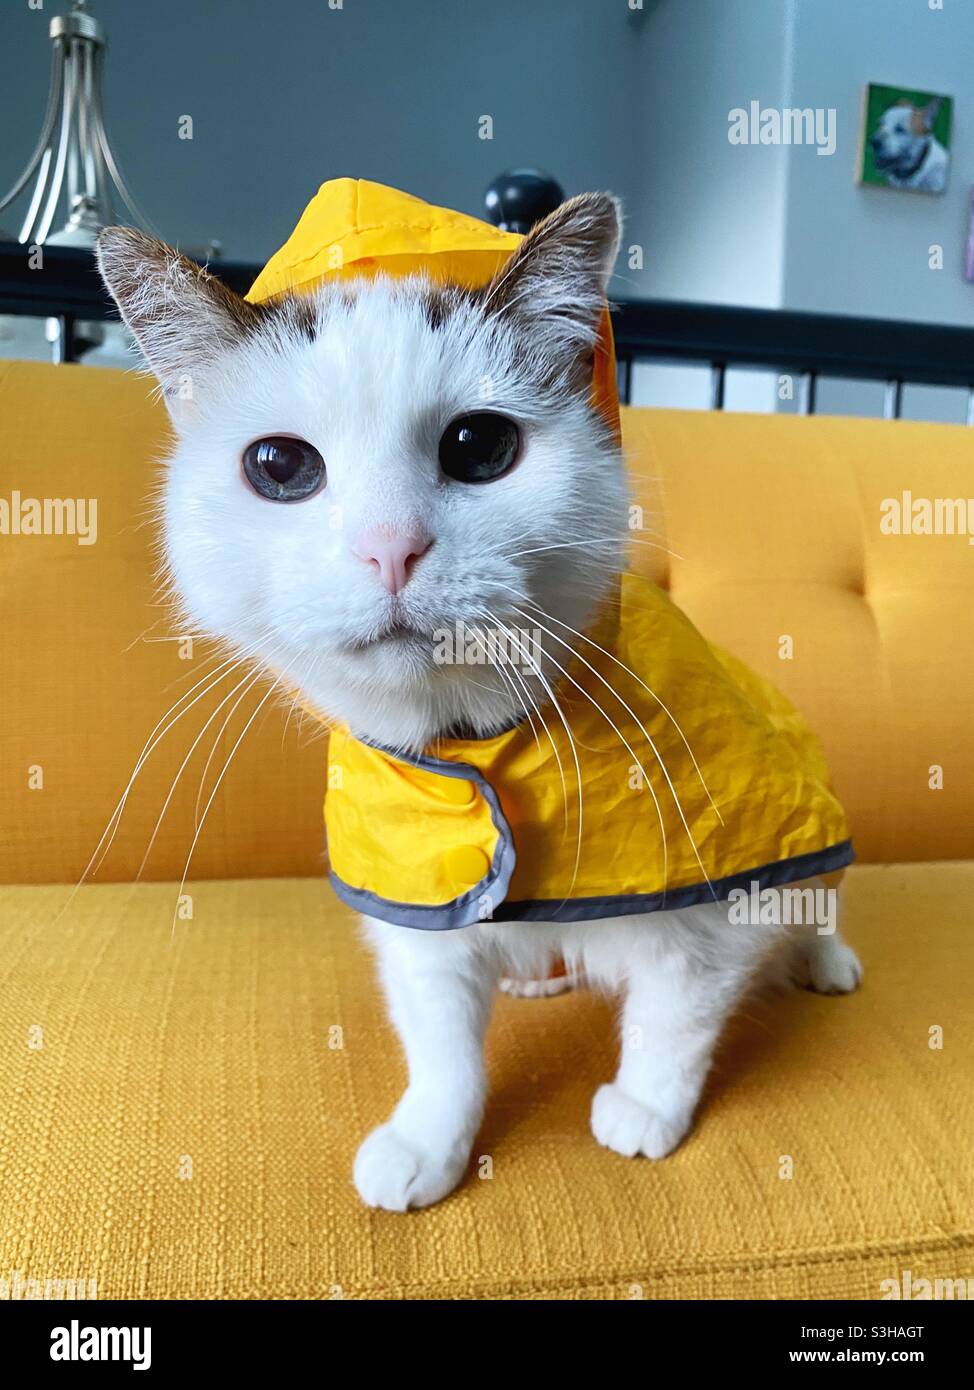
[[905, 139]]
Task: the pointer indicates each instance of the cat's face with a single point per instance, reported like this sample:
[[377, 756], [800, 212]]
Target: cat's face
[[370, 481]]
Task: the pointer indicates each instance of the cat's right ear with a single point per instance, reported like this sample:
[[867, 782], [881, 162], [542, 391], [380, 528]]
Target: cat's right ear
[[183, 319], [553, 287]]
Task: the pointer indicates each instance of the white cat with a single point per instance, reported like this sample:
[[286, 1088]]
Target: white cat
[[344, 404]]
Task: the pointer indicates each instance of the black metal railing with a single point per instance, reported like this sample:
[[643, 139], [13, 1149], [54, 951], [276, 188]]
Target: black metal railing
[[64, 285], [808, 346]]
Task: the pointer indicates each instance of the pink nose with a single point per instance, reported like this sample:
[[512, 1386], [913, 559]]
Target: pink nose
[[391, 554]]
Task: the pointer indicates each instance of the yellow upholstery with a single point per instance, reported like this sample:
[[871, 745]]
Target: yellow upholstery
[[213, 1043], [90, 664], [216, 1048], [761, 527]]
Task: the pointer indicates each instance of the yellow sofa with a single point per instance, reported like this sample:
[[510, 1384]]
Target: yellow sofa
[[184, 1079]]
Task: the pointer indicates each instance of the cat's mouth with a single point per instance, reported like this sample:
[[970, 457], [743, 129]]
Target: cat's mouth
[[395, 632]]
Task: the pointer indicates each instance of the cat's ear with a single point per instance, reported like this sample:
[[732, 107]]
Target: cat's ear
[[554, 284], [183, 319]]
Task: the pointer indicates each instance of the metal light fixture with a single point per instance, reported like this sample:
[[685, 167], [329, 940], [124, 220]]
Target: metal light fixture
[[73, 161]]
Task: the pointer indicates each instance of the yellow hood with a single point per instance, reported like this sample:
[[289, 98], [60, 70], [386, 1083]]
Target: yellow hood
[[353, 227]]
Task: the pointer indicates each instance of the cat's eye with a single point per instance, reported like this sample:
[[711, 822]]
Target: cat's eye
[[480, 447], [283, 469]]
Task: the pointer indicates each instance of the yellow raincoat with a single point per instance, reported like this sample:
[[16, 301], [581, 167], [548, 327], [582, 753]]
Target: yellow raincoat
[[664, 774]]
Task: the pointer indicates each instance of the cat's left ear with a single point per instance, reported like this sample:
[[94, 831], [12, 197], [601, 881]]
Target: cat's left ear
[[183, 319], [554, 284]]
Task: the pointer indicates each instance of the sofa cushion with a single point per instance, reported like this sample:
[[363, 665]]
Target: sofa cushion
[[182, 1105]]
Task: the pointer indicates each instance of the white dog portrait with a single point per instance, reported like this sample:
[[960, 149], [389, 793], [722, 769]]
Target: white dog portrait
[[906, 140]]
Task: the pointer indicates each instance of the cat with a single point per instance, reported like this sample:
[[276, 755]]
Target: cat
[[344, 403]]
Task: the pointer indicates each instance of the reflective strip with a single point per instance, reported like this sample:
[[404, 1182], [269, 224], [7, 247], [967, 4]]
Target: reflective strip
[[464, 911]]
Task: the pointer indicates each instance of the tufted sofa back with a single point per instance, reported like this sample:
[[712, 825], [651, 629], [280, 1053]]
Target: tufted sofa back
[[782, 545]]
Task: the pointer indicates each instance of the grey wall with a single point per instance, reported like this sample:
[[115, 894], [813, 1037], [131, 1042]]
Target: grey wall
[[710, 215], [287, 93]]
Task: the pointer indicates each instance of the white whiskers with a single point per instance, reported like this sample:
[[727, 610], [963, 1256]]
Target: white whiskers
[[216, 786]]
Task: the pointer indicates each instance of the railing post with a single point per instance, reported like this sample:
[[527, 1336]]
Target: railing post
[[62, 342], [893, 400], [718, 374], [625, 380], [807, 393]]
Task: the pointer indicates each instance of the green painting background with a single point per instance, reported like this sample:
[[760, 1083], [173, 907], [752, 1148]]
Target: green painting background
[[877, 100]]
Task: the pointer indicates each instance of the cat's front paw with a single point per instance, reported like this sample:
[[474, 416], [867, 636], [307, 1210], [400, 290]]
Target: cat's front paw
[[829, 966], [628, 1127], [396, 1174]]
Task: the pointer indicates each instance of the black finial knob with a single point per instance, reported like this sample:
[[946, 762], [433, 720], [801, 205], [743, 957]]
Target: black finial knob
[[521, 197]]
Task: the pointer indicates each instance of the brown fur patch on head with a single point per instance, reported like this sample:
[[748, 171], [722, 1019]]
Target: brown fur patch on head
[[297, 311], [439, 302], [301, 310]]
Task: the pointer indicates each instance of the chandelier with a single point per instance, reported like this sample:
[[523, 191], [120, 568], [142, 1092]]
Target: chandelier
[[73, 167]]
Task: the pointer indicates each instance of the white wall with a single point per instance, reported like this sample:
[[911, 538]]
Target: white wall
[[709, 216], [866, 250], [784, 226]]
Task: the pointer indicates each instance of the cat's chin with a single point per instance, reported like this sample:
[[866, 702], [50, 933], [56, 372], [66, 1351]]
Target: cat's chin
[[401, 659], [386, 697]]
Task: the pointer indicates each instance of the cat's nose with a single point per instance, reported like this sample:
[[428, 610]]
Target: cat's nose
[[392, 554]]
